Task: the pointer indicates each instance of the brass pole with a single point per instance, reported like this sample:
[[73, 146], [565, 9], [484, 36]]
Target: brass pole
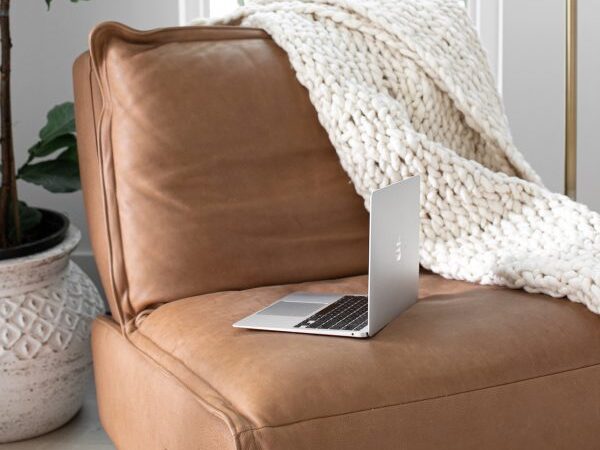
[[571, 102]]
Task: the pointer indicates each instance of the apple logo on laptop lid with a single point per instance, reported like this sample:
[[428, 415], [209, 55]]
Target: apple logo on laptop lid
[[399, 248]]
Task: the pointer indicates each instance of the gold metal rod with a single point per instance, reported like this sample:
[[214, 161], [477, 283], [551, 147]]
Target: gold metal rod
[[571, 101]]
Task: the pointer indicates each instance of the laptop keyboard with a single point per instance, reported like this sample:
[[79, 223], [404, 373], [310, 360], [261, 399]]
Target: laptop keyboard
[[347, 313]]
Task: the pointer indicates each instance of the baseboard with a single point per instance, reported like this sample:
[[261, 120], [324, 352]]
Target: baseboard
[[85, 260]]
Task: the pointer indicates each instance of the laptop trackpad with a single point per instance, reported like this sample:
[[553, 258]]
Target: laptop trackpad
[[295, 309]]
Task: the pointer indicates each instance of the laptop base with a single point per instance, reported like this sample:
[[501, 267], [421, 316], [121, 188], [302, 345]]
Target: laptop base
[[293, 313]]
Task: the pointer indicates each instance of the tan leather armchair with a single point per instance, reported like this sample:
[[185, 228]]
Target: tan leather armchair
[[211, 190]]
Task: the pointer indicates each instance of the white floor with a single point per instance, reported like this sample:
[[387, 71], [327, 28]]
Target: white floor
[[83, 432]]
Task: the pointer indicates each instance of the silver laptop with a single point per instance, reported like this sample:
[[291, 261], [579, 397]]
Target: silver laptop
[[393, 277]]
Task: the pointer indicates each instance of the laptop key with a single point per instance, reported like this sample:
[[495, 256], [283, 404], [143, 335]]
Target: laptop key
[[347, 313]]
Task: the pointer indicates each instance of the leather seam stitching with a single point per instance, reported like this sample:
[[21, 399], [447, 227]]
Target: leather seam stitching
[[248, 426], [115, 187], [101, 126], [96, 134], [172, 34], [211, 409], [394, 405]]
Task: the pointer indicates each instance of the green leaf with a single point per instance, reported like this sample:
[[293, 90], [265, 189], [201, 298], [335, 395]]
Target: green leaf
[[49, 2], [29, 218], [70, 154], [62, 173], [61, 120], [57, 175], [45, 148]]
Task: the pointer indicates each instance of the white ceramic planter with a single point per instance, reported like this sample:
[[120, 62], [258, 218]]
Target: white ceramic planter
[[46, 306]]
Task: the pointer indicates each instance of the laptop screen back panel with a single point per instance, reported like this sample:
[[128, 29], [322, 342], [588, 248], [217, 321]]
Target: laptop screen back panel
[[393, 252]]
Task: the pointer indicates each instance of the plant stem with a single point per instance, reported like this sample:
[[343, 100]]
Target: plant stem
[[9, 204]]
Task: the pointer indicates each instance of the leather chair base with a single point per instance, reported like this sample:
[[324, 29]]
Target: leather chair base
[[152, 396]]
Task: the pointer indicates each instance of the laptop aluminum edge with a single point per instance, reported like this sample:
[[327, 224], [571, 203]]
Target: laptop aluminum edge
[[393, 270]]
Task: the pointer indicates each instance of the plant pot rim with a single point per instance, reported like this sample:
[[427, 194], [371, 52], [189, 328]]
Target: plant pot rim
[[66, 246]]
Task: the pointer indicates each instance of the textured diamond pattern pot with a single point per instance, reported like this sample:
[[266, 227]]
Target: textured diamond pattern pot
[[46, 306]]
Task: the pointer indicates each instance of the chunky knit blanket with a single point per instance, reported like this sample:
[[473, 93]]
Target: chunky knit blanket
[[403, 88]]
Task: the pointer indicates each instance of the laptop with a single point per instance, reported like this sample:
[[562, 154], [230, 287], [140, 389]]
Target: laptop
[[393, 277]]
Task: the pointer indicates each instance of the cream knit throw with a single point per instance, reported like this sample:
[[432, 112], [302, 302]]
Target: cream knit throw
[[403, 88]]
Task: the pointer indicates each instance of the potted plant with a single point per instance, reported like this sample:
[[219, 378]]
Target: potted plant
[[46, 301]]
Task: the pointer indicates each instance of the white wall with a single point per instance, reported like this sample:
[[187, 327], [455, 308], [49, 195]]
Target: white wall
[[487, 17], [588, 164], [192, 9], [222, 7], [45, 45], [534, 83]]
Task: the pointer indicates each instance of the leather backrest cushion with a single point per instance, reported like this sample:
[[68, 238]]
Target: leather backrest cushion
[[216, 173]]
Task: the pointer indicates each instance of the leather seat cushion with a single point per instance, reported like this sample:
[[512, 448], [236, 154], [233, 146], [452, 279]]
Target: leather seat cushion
[[460, 345]]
